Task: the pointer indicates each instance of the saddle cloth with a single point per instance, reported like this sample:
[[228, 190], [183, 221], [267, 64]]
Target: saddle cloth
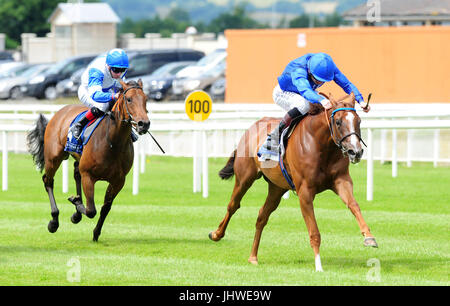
[[283, 144], [76, 146]]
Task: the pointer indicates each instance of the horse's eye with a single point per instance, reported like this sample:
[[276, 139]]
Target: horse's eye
[[129, 100], [338, 122]]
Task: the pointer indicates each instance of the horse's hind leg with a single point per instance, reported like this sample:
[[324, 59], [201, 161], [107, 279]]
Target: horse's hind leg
[[111, 193], [273, 199], [244, 180], [51, 165], [54, 223], [78, 199]]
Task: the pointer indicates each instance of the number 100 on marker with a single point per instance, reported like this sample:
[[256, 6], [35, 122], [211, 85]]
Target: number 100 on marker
[[198, 105]]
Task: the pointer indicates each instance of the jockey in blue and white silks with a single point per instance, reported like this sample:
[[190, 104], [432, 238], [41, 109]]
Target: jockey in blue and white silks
[[296, 90], [100, 86]]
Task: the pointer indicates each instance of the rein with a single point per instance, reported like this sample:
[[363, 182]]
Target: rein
[[332, 131]]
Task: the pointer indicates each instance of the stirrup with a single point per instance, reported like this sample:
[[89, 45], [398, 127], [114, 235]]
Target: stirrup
[[265, 154], [77, 129]]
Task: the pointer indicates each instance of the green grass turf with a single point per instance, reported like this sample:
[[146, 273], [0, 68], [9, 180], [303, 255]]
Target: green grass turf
[[160, 236]]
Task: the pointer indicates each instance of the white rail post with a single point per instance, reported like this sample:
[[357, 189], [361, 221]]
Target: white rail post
[[142, 155], [370, 165], [196, 164], [205, 163], [65, 176], [136, 169], [5, 161], [394, 153]]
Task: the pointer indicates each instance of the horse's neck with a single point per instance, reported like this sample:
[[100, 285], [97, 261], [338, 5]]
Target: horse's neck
[[318, 128], [119, 129]]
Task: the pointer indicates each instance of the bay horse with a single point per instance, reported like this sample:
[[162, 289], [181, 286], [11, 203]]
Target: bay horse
[[317, 158], [108, 156]]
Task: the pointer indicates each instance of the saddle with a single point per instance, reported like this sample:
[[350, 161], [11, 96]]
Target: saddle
[[76, 146]]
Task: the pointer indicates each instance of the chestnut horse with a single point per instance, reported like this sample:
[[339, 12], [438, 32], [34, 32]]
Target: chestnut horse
[[108, 156], [317, 158]]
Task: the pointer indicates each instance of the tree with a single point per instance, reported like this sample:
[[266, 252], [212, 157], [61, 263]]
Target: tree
[[25, 16], [238, 19], [301, 21]]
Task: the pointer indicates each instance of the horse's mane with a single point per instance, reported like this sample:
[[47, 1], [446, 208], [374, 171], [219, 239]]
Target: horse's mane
[[132, 83]]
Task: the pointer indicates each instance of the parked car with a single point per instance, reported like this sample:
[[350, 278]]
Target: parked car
[[10, 87], [69, 87], [5, 57], [44, 84], [157, 86], [218, 89], [11, 69], [144, 62], [201, 75]]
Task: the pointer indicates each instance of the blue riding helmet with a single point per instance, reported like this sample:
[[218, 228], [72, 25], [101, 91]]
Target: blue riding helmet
[[117, 58], [322, 67]]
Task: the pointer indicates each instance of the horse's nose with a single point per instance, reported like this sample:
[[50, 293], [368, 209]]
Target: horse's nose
[[143, 127], [356, 154], [359, 154]]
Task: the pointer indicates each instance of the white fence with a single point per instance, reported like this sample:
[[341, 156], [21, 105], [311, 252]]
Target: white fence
[[218, 136]]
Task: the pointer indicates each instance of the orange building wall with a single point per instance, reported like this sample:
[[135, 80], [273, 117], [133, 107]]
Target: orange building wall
[[396, 64]]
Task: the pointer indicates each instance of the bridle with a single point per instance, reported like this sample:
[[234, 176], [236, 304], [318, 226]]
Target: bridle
[[130, 118], [332, 129]]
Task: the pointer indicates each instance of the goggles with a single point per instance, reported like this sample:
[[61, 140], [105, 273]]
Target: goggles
[[118, 69]]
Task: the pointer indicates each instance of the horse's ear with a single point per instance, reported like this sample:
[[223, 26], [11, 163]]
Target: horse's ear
[[352, 98], [140, 83], [124, 85]]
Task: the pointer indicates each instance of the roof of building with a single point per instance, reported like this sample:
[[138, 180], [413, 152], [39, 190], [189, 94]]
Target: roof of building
[[86, 13], [403, 10]]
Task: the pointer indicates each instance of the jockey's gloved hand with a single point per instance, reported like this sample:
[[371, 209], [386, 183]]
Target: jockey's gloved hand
[[326, 103], [365, 106]]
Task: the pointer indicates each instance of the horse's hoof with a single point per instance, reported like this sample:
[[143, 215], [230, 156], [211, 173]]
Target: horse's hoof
[[53, 226], [76, 217], [91, 214], [213, 236], [75, 200], [370, 242], [253, 261]]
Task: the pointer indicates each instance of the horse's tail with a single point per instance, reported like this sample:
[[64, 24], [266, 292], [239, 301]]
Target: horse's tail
[[35, 142], [228, 171]]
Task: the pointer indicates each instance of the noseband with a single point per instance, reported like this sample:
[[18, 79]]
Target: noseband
[[332, 131]]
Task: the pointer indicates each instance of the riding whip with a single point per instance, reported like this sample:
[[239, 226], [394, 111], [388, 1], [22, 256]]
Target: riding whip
[[156, 142]]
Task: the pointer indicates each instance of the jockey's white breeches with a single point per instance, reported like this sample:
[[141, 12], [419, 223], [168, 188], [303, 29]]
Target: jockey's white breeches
[[287, 100]]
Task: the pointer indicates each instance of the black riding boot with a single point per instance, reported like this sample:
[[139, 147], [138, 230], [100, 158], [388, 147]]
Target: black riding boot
[[78, 127]]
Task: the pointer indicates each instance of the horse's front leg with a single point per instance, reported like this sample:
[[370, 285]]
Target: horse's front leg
[[88, 188], [306, 197], [78, 199], [111, 193], [343, 186]]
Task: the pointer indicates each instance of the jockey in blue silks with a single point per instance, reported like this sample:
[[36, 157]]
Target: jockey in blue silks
[[296, 90], [100, 86]]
